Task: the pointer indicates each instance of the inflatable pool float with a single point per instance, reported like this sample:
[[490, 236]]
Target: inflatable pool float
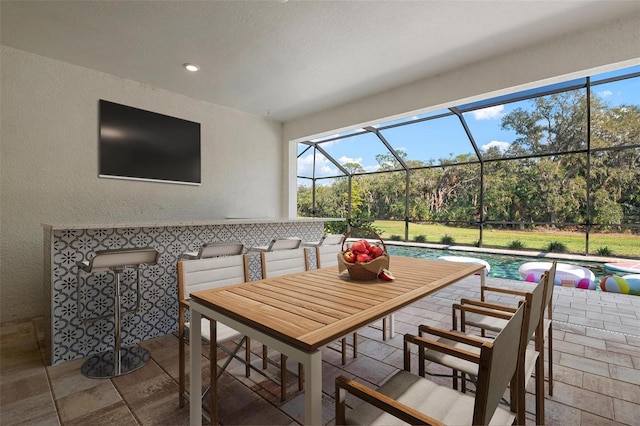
[[463, 259], [630, 267], [566, 274], [627, 284]]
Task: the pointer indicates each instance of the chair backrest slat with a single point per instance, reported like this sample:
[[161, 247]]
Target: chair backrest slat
[[206, 274], [551, 278], [537, 298], [498, 362], [327, 255], [501, 367], [282, 262]]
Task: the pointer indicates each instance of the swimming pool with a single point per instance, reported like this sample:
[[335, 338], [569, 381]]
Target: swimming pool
[[502, 266]]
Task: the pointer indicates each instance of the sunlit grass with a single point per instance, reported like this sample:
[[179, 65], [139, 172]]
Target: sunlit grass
[[625, 245]]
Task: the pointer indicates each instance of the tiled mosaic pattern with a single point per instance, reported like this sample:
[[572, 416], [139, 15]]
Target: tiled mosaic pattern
[[76, 333]]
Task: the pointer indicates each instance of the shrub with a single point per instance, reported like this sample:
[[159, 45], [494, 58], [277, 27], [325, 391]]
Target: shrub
[[446, 239], [396, 238], [420, 239], [557, 247], [341, 226], [516, 245], [604, 251]]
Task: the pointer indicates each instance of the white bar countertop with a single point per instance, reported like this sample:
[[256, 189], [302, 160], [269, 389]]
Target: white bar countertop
[[168, 222]]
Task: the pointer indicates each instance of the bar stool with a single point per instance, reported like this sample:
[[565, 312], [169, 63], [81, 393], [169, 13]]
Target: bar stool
[[120, 360]]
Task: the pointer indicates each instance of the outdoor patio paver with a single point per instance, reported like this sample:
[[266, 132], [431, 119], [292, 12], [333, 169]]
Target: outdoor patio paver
[[596, 371], [614, 388]]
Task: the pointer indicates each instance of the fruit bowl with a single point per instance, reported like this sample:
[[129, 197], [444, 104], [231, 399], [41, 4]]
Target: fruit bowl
[[363, 260]]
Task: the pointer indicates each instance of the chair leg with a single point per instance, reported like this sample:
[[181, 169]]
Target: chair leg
[[264, 357], [355, 345], [213, 380], [384, 328], [540, 389], [521, 393], [455, 381], [514, 385], [300, 377], [341, 405], [283, 377], [181, 369], [550, 360], [247, 352], [344, 350]]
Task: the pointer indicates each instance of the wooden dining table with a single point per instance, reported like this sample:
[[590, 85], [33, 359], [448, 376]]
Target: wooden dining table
[[298, 314]]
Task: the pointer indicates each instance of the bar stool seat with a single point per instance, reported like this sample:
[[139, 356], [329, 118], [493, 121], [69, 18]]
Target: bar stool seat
[[326, 240], [290, 243], [121, 359], [209, 250]]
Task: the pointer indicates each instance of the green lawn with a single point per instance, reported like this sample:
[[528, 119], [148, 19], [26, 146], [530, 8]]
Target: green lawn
[[625, 245]]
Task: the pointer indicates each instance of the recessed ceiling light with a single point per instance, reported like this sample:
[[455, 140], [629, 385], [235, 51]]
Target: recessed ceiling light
[[191, 67]]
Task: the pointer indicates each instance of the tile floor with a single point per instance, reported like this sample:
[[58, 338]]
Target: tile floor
[[596, 368]]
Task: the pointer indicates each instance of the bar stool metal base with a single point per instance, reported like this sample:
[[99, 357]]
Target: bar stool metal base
[[104, 365]]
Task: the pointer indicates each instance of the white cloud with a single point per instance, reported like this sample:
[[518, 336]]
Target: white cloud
[[344, 160], [323, 166], [488, 113], [605, 93], [502, 146]]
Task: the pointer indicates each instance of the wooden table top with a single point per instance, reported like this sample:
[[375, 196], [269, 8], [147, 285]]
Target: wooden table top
[[312, 308]]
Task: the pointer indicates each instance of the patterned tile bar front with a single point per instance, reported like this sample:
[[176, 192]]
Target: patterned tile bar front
[[73, 334]]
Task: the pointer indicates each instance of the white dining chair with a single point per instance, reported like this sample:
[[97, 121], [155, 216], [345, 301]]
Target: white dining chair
[[205, 274], [327, 256], [275, 264]]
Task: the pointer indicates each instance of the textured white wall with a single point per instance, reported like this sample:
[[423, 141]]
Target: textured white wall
[[49, 160]]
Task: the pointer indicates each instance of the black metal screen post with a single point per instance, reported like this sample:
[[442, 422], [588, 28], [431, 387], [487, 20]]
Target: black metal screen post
[[406, 205], [349, 204], [481, 206], [313, 184], [472, 140], [588, 177]]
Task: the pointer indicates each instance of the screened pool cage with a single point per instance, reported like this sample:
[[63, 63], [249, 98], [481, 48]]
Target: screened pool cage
[[564, 157]]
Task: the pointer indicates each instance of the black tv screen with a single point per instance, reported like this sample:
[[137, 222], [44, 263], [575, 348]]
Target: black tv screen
[[144, 145]]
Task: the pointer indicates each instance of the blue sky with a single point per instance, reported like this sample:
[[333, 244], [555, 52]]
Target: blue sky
[[445, 137]]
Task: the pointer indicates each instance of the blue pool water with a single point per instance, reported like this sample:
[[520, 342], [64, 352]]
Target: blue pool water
[[501, 266]]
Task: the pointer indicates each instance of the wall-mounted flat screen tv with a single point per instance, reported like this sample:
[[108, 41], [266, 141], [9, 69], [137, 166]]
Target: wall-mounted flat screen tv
[[144, 145]]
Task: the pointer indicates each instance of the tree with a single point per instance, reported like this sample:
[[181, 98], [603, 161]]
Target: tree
[[548, 184]]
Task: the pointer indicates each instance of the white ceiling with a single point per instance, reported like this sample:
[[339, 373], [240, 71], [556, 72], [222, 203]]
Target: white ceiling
[[289, 59]]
